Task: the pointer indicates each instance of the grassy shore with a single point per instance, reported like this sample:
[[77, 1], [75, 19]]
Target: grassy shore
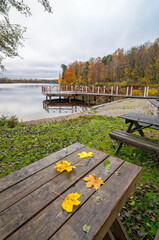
[[23, 145]]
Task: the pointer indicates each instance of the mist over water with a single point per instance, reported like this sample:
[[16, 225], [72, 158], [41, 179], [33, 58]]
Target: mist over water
[[26, 102]]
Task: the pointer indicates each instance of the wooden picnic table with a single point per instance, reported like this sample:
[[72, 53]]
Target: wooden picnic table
[[137, 122], [30, 207]]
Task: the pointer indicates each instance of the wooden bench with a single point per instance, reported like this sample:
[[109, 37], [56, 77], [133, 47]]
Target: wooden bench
[[146, 144]]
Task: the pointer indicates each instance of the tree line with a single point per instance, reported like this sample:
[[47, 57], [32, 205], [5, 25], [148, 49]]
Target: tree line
[[136, 66]]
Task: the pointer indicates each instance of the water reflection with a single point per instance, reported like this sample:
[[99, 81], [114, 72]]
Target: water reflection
[[26, 102], [64, 107]]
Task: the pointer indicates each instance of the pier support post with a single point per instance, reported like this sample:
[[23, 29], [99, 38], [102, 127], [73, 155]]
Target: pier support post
[[112, 90]]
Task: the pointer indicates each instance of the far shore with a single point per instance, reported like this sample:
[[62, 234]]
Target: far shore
[[113, 109]]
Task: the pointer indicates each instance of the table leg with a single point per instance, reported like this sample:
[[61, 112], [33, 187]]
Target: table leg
[[139, 130], [120, 144], [118, 230]]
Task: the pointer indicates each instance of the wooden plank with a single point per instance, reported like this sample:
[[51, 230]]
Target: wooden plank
[[136, 141], [29, 170], [118, 230], [157, 235], [143, 118], [20, 190], [15, 216], [114, 193], [109, 236]]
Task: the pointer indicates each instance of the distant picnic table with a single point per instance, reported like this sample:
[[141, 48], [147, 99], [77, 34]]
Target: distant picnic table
[[137, 123], [31, 209]]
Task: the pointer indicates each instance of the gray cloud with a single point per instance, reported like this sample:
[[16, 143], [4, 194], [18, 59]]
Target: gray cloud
[[79, 30]]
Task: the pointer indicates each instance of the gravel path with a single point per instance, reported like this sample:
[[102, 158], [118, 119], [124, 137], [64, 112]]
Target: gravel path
[[113, 109]]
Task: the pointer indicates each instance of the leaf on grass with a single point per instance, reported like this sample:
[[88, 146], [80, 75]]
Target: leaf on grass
[[99, 198], [86, 228], [85, 154], [92, 180], [70, 201], [132, 203], [107, 165], [64, 165]]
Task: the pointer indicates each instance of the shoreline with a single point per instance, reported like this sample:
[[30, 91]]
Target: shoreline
[[111, 109]]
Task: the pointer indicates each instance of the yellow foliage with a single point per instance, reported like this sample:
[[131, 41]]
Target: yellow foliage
[[85, 154], [71, 200], [152, 92], [64, 165], [92, 180], [136, 93]]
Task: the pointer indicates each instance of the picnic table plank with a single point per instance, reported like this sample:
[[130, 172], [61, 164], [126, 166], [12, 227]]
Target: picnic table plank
[[32, 203], [53, 217], [114, 194], [31, 169]]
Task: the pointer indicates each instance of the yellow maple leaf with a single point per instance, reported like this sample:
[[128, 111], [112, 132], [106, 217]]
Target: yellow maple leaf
[[92, 180], [85, 154], [64, 165], [71, 200]]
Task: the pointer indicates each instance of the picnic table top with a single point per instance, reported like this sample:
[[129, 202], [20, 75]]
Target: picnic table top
[[151, 121], [31, 209]]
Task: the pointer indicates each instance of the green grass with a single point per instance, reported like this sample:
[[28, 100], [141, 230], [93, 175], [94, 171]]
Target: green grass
[[23, 145]]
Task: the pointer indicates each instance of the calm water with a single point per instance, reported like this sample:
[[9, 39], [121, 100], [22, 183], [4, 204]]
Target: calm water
[[26, 102]]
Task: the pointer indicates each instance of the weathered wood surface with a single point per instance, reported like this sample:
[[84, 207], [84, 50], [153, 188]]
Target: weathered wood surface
[[146, 144], [142, 119], [29, 170], [35, 211]]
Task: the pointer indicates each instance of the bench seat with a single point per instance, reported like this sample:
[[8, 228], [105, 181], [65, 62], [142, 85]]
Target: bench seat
[[146, 144]]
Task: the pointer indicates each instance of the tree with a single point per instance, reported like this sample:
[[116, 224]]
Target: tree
[[12, 35], [64, 67]]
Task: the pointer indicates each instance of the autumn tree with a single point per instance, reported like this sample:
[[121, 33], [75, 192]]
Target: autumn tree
[[12, 35]]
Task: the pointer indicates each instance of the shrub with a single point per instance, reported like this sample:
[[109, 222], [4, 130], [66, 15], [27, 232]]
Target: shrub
[[153, 92], [136, 93], [3, 120], [12, 122], [8, 122]]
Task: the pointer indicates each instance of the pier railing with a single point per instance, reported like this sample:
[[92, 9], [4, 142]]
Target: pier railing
[[125, 91]]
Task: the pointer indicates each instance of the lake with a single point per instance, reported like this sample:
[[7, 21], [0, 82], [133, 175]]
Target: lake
[[26, 102]]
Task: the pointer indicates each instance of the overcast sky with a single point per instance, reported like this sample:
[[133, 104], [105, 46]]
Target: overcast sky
[[79, 30]]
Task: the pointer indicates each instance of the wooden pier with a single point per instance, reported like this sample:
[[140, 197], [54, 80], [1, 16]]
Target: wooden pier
[[85, 92]]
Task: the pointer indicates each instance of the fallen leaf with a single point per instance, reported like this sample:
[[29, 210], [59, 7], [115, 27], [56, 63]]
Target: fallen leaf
[[107, 165], [85, 154], [98, 198], [92, 180], [86, 228], [64, 165], [117, 173], [132, 203], [71, 200]]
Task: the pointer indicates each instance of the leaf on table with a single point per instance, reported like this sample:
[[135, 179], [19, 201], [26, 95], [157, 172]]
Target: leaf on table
[[92, 180], [117, 173], [86, 228], [85, 154], [64, 165], [98, 198], [107, 165], [70, 201]]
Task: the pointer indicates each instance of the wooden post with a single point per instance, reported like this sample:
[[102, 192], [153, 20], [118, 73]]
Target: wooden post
[[127, 91], [71, 88], [82, 88], [98, 89], [86, 89], [117, 88], [104, 89], [92, 89], [147, 91], [144, 91], [112, 90], [131, 89], [66, 87]]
